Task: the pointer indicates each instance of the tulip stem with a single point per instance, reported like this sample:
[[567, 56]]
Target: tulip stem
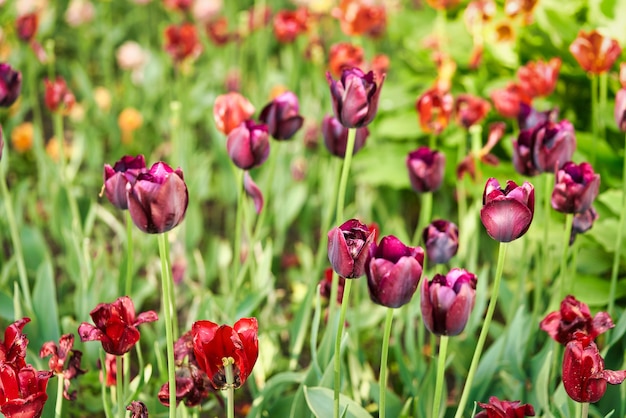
[[230, 387], [345, 171], [484, 331], [383, 364], [337, 364], [585, 410], [594, 116], [620, 236], [238, 224], [58, 408], [129, 256], [441, 368], [569, 218], [119, 377], [103, 386], [426, 211], [602, 105], [166, 282]]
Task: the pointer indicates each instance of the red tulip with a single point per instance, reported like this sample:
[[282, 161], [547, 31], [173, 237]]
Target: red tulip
[[507, 101], [470, 110], [344, 55], [58, 96], [504, 409], [288, 24], [182, 42], [357, 17], [13, 348], [538, 79], [59, 354], [230, 110], [27, 26], [435, 109], [595, 52], [22, 391]]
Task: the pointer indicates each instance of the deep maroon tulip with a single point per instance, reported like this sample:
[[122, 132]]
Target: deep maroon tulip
[[212, 344], [435, 108], [137, 409], [529, 117], [470, 110], [554, 144], [192, 387], [253, 191], [523, 149], [441, 239], [158, 200], [447, 301], [504, 409], [348, 248], [507, 213], [23, 391], [248, 145], [116, 325], [116, 178], [59, 355], [584, 375], [582, 223], [393, 272], [576, 188], [573, 318], [10, 85], [281, 116], [336, 136], [426, 169], [58, 97], [13, 347], [355, 97], [620, 109]]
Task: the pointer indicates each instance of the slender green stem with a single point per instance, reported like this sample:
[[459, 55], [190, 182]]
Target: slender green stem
[[58, 408], [484, 331], [620, 237], [544, 256], [103, 386], [383, 363], [585, 410], [426, 210], [238, 224], [569, 218], [345, 171], [432, 141], [230, 387], [119, 366], [594, 116], [441, 368], [166, 281], [602, 105], [129, 256], [337, 364]]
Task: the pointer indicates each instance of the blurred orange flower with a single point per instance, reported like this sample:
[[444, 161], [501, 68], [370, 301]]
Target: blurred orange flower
[[539, 78], [129, 120], [230, 110], [595, 52], [470, 110], [524, 8], [344, 55], [52, 149], [22, 137], [443, 4], [182, 42], [507, 101], [358, 17], [435, 109], [288, 24]]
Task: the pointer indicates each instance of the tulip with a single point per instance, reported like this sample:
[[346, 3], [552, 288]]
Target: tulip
[[344, 55], [158, 199], [218, 33], [554, 144], [26, 26], [584, 375], [58, 96], [539, 78], [116, 178], [355, 97], [470, 110], [336, 136], [59, 354], [192, 387], [212, 343], [281, 116], [13, 347], [22, 137], [441, 239], [435, 109], [508, 100], [504, 409], [582, 223], [137, 409], [528, 117], [358, 17], [393, 272], [525, 8], [288, 24], [248, 145], [182, 42], [116, 325], [426, 168], [446, 301], [130, 56], [23, 391], [507, 213], [10, 85], [230, 110], [595, 52], [574, 318], [576, 188], [348, 248], [620, 109]]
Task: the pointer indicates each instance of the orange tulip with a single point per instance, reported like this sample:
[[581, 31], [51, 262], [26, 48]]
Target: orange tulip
[[595, 52]]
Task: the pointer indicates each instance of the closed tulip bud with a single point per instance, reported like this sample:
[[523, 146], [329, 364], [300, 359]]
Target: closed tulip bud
[[539, 78], [582, 223], [355, 97], [447, 301], [158, 200], [281, 116], [27, 26], [116, 178], [576, 187], [336, 136], [393, 272], [348, 248], [441, 239], [554, 144], [426, 169], [504, 409], [620, 109], [58, 96], [435, 108], [507, 213], [10, 85], [470, 110], [584, 375], [595, 52], [248, 145]]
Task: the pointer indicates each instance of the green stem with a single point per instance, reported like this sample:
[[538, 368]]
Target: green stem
[[129, 256], [569, 218], [238, 224], [620, 237], [230, 387], [441, 368], [58, 408], [426, 210], [119, 366], [594, 116], [166, 281], [345, 171], [585, 410], [337, 363], [383, 363], [602, 105], [103, 386], [484, 331]]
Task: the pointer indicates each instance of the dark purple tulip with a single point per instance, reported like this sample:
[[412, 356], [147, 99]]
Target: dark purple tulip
[[554, 145], [529, 117], [10, 85], [355, 97], [523, 148], [248, 145], [253, 191], [620, 109], [158, 200], [441, 239], [576, 188], [507, 213], [393, 272], [582, 223], [336, 136], [426, 168], [446, 301], [116, 178], [348, 248], [281, 116]]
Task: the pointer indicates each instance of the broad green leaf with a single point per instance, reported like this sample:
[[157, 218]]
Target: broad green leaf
[[320, 400], [45, 304]]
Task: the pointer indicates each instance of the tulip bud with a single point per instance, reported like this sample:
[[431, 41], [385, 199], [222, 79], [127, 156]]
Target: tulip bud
[[470, 110], [435, 109], [116, 178], [336, 136], [348, 248], [576, 188], [539, 78], [446, 301], [554, 145], [253, 191], [27, 26], [281, 116], [426, 169], [507, 213], [582, 223], [441, 239], [504, 409], [182, 42], [58, 96], [10, 85], [355, 97], [595, 52], [248, 145], [393, 272]]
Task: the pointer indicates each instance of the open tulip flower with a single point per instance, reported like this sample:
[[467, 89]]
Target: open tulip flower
[[10, 85], [13, 347], [355, 97], [544, 148], [577, 186], [507, 213], [281, 116], [22, 391], [348, 248], [595, 52], [539, 78], [116, 178], [504, 409], [248, 145]]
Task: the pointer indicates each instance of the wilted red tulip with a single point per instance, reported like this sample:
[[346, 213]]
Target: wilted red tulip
[[214, 345], [584, 375], [355, 97], [116, 325], [13, 347], [574, 318], [181, 42], [326, 285], [122, 173], [447, 301], [348, 248], [344, 55], [528, 117], [393, 271], [358, 17], [470, 110], [137, 409], [253, 191], [595, 52], [26, 26], [435, 109], [336, 136], [248, 145], [58, 96], [10, 85], [504, 409], [538, 79], [441, 239], [288, 24], [282, 116], [23, 391], [582, 223], [59, 354], [507, 213], [426, 168], [230, 110], [507, 101], [577, 185], [158, 199]]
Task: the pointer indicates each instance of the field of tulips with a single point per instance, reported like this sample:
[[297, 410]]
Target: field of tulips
[[312, 208]]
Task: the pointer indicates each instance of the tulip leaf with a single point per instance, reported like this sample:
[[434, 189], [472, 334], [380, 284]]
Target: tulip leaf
[[595, 292], [543, 380], [320, 401], [6, 307], [45, 304]]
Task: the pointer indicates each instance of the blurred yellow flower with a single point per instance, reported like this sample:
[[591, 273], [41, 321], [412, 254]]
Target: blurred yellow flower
[[22, 137], [102, 97], [52, 149], [129, 121]]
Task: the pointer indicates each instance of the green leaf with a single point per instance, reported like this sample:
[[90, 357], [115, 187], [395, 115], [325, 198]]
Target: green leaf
[[45, 304], [320, 400]]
